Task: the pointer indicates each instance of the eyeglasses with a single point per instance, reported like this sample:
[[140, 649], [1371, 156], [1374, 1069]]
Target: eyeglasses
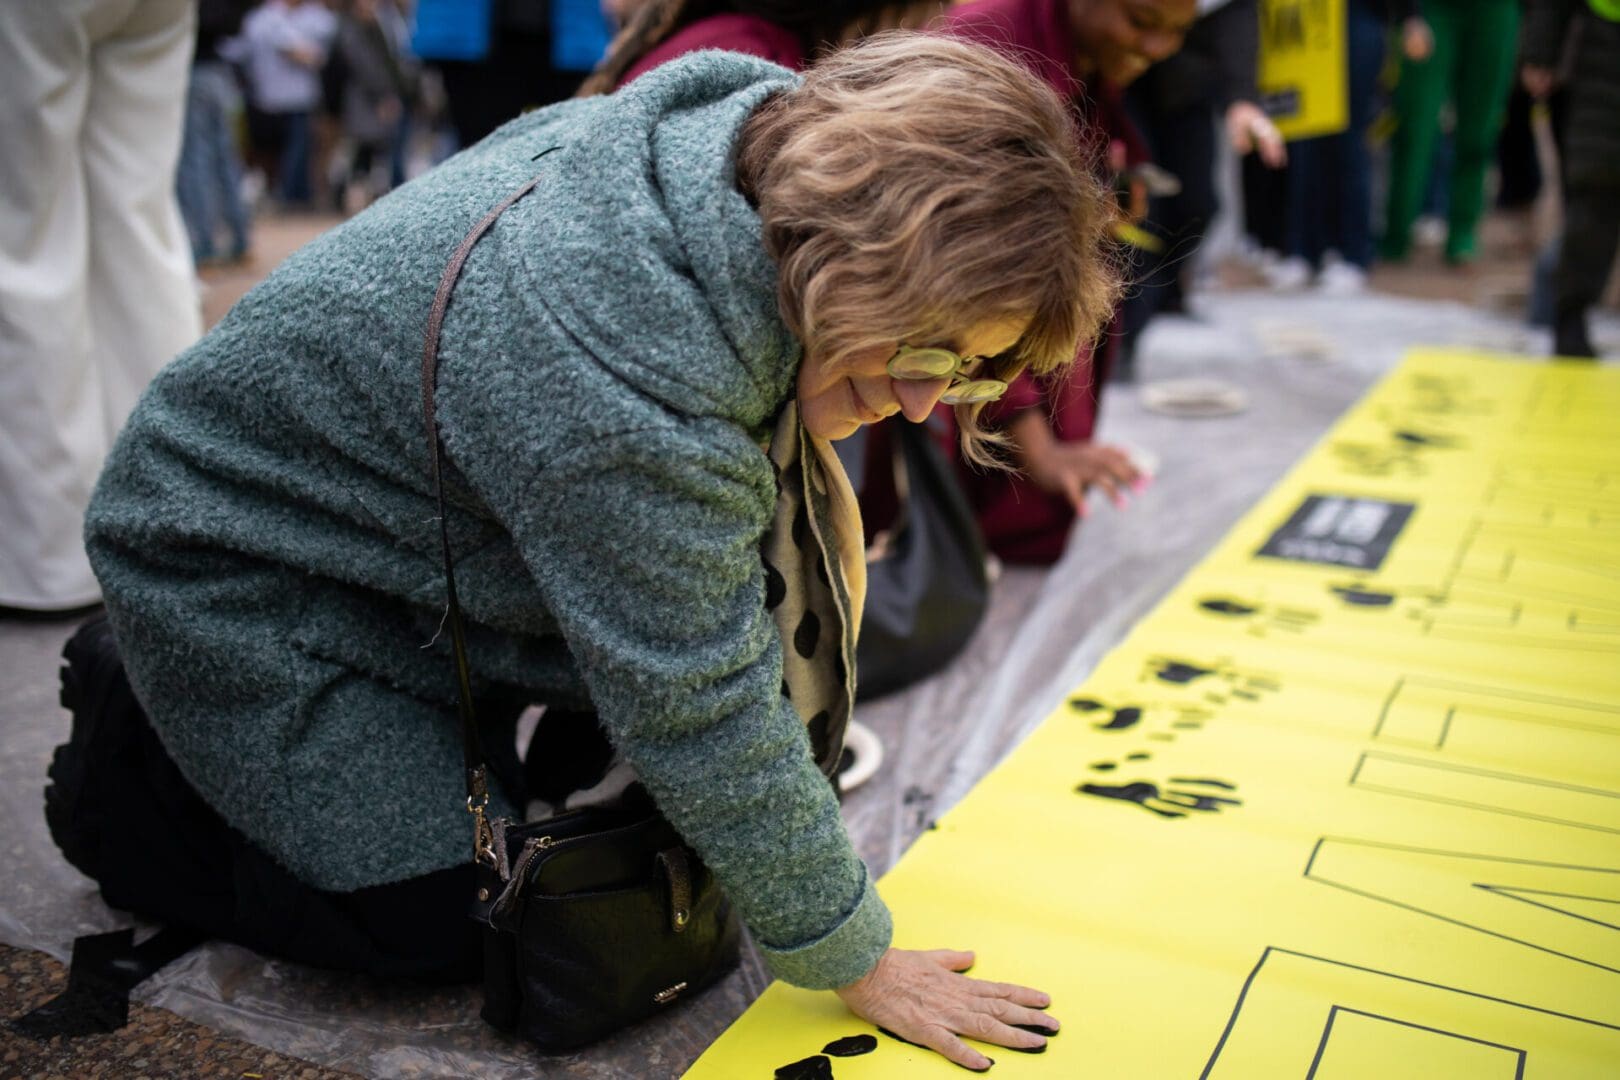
[[923, 365]]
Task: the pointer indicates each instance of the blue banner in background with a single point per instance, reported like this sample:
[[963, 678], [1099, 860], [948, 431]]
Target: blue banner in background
[[579, 34], [452, 29]]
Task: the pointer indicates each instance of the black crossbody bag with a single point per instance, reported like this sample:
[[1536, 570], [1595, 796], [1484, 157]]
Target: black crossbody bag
[[593, 919]]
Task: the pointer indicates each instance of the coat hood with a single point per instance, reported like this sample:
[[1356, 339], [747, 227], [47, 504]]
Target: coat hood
[[643, 216]]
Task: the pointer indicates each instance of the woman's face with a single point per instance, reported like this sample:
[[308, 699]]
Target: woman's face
[[834, 401], [1120, 39]]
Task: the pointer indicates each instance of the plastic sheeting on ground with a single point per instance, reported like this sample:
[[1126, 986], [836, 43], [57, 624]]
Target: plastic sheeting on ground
[[1344, 803], [1044, 633]]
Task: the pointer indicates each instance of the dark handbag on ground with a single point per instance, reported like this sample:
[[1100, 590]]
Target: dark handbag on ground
[[592, 919], [927, 591]]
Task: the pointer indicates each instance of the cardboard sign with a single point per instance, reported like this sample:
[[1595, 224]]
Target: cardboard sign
[[1315, 819], [1304, 68]]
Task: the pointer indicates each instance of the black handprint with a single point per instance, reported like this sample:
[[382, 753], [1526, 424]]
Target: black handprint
[[1175, 802], [1120, 718]]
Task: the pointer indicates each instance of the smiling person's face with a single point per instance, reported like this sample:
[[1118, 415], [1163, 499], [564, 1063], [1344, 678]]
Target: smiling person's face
[[1120, 39], [834, 401]]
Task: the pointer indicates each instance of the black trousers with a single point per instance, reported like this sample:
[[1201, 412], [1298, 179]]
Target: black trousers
[[1591, 237], [121, 812]]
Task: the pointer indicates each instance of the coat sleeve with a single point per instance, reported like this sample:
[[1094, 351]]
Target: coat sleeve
[[646, 549], [1234, 44], [1546, 26]]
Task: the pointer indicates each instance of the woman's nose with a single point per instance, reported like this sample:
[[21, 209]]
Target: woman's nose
[[918, 397]]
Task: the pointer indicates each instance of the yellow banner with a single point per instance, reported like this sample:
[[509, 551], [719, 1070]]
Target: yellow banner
[[1304, 72], [1345, 805]]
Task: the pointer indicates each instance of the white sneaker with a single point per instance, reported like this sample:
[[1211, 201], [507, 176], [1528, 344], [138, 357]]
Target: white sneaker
[[1342, 279], [1429, 231], [1289, 275]]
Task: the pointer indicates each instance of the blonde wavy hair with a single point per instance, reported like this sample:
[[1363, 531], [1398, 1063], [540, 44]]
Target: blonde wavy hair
[[914, 186]]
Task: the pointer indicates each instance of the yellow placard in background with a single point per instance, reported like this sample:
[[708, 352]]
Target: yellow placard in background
[[1345, 805], [1304, 68]]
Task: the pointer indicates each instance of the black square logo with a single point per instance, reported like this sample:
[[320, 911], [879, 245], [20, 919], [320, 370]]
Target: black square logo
[[1339, 530]]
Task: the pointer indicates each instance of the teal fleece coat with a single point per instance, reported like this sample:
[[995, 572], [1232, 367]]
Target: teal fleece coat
[[611, 364]]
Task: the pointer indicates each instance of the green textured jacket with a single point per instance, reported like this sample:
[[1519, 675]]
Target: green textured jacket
[[612, 358]]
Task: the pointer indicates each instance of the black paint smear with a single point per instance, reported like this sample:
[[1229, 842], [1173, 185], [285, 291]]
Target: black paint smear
[[1417, 438], [1181, 672], [920, 1046], [1203, 780], [1363, 597], [932, 825], [1084, 704], [1246, 695], [915, 795], [1188, 725], [818, 1067], [1041, 1049], [1220, 605], [851, 1046], [1037, 1029], [1125, 717], [1103, 766], [1138, 756]]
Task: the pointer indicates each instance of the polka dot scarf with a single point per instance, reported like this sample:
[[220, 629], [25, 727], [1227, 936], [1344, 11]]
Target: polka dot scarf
[[815, 585], [815, 582]]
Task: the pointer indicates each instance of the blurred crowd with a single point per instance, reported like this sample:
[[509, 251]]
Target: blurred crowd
[[326, 104]]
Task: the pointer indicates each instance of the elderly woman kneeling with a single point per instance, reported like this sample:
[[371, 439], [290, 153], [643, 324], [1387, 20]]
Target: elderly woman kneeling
[[722, 265]]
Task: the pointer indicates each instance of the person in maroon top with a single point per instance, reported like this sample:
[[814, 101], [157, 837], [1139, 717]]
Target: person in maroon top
[[786, 32], [1087, 50]]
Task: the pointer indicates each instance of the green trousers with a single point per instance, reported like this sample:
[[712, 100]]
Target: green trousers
[[1475, 51]]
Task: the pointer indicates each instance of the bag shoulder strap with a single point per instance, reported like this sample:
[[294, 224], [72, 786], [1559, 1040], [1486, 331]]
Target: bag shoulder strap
[[472, 748]]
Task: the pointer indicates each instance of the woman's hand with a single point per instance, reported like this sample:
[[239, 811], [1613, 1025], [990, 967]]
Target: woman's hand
[[1539, 82], [923, 998], [1417, 40], [1249, 128], [1073, 469]]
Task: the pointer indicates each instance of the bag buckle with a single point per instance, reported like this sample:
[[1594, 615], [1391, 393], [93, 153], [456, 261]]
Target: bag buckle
[[483, 832]]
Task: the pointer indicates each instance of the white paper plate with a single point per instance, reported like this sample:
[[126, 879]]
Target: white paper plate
[[1194, 397], [1295, 340], [863, 744]]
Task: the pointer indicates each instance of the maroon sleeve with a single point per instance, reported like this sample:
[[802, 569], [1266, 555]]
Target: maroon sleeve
[[1035, 32], [734, 33], [1108, 112], [1023, 394]]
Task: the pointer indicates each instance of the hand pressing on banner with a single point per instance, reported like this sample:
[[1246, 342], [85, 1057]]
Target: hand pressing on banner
[[1249, 129], [1072, 469], [924, 998]]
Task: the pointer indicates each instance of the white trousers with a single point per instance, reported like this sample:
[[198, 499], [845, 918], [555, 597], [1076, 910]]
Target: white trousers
[[97, 290]]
